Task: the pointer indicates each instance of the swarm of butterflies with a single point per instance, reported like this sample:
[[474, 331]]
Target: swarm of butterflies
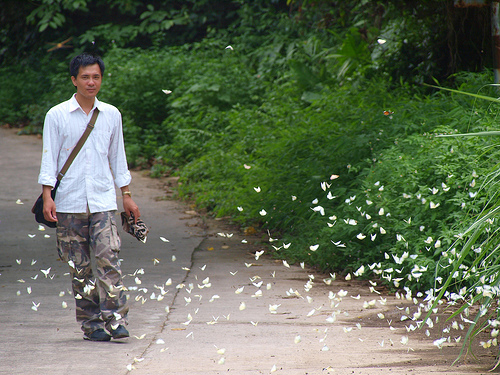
[[413, 309]]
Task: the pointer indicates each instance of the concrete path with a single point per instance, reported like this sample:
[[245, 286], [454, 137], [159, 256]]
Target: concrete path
[[201, 303]]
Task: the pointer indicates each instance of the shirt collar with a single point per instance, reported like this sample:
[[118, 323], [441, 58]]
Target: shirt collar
[[73, 104]]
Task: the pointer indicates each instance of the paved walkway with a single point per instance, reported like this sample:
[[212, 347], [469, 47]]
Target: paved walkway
[[201, 303]]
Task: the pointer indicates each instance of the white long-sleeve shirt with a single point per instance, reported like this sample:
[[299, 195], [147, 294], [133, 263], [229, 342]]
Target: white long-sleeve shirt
[[89, 180]]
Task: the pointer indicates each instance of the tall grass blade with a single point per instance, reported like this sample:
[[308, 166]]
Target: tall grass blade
[[497, 100], [477, 134]]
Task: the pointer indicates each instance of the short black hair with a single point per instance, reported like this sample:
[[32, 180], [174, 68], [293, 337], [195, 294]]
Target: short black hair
[[85, 59]]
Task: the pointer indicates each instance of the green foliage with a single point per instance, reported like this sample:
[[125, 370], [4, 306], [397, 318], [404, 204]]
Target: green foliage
[[291, 148], [24, 100], [204, 80], [353, 54], [98, 25]]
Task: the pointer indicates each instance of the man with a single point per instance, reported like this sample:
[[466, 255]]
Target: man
[[85, 204]]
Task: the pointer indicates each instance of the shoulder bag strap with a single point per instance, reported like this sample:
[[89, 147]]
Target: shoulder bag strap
[[79, 145]]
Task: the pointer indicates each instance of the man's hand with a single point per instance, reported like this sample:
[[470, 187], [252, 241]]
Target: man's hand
[[49, 207], [129, 205]]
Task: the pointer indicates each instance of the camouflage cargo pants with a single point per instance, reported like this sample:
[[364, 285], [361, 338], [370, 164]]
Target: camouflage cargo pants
[[100, 302]]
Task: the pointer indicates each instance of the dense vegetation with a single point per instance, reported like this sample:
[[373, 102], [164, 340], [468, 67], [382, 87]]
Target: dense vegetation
[[306, 119]]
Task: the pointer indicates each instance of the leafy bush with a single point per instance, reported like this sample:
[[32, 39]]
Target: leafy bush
[[422, 189], [27, 94], [204, 81]]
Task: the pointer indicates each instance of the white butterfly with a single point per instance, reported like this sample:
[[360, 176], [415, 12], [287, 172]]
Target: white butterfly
[[359, 271], [274, 308], [439, 342], [319, 209], [338, 244], [434, 205], [342, 293], [239, 290], [257, 294], [325, 185]]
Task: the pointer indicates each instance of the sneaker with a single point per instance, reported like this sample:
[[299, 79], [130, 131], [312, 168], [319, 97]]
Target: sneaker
[[119, 333], [97, 335]]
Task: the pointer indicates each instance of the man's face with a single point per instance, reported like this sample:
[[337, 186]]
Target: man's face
[[88, 81]]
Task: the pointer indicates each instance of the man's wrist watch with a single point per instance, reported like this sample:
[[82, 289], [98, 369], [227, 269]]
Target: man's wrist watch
[[127, 193]]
